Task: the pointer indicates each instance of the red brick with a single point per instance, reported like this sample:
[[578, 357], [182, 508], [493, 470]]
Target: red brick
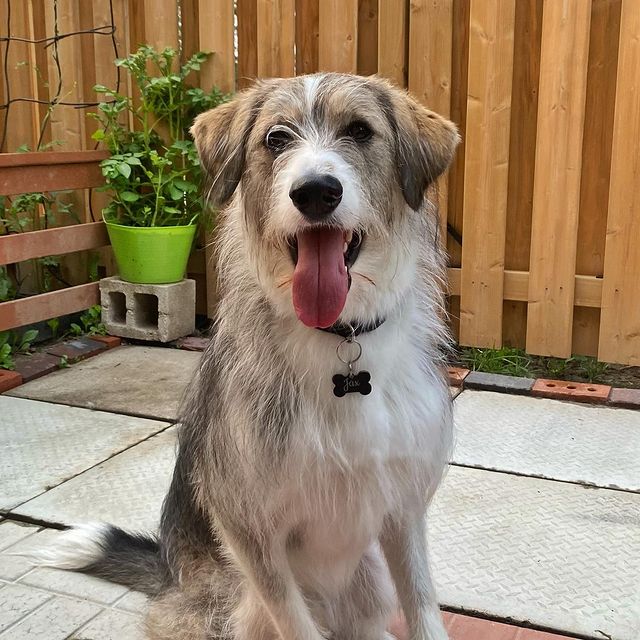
[[9, 380], [36, 365], [577, 391], [457, 376], [461, 627], [110, 341], [76, 349], [629, 398]]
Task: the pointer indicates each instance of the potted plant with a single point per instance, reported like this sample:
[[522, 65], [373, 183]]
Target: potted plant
[[153, 174]]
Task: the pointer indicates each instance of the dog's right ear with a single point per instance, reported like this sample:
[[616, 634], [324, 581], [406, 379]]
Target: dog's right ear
[[221, 137]]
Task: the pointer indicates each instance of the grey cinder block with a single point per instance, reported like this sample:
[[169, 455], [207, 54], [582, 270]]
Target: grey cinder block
[[158, 312]]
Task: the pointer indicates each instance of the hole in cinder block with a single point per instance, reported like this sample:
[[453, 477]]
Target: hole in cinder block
[[146, 310], [550, 384], [571, 386], [117, 307], [591, 389]]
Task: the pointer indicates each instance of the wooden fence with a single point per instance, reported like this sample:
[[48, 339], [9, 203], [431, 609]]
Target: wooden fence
[[543, 201]]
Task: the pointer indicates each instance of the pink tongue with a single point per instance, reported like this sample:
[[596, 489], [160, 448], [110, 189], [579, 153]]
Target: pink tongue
[[320, 280]]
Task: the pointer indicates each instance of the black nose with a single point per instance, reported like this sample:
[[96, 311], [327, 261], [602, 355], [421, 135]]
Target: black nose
[[316, 196]]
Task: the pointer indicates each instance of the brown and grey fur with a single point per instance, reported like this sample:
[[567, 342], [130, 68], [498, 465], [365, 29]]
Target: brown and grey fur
[[290, 509]]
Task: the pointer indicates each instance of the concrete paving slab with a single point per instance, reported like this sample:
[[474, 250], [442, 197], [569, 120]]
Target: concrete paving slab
[[126, 490], [57, 619], [552, 554], [141, 381], [547, 438], [44, 444], [16, 602], [112, 625]]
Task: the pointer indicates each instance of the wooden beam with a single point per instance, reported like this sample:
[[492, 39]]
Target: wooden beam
[[50, 171], [18, 247], [486, 171], [516, 287], [338, 47], [556, 189], [18, 313], [620, 320]]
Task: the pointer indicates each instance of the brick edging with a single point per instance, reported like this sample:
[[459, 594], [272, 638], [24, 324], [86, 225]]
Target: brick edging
[[601, 394], [32, 366]]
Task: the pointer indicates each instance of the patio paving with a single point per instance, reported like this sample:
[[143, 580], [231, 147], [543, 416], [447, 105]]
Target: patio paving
[[127, 489], [139, 381], [44, 444], [525, 528], [550, 439]]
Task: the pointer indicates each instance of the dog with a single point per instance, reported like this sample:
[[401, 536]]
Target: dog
[[318, 425]]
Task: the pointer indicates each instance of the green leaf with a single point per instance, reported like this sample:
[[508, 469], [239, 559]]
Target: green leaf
[[29, 336], [124, 169], [129, 196], [98, 135], [189, 187]]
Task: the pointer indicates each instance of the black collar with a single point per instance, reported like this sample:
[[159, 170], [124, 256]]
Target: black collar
[[346, 330]]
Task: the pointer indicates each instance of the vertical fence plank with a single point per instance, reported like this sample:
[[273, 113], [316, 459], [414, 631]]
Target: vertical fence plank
[[275, 33], [246, 12], [393, 25], [620, 324], [368, 37], [459, 78], [486, 171], [338, 45], [556, 190], [429, 78], [23, 117], [161, 23], [522, 149], [596, 162], [307, 34], [216, 35]]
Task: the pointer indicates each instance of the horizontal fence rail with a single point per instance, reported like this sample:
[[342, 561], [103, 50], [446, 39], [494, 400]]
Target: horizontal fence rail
[[541, 203], [33, 172]]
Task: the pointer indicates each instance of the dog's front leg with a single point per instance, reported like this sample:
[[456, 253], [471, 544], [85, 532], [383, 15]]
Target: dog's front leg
[[263, 561], [405, 547]]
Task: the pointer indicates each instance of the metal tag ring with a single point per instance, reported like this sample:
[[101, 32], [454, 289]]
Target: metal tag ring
[[350, 361]]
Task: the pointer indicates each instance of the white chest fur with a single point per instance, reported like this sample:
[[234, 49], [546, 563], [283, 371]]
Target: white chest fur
[[357, 459]]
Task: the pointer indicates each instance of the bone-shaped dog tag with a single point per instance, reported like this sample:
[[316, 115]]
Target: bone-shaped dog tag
[[354, 383]]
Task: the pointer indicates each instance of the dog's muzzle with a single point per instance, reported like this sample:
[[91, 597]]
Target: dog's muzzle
[[316, 196]]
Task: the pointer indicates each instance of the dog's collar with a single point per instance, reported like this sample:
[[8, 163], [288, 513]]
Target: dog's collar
[[346, 330]]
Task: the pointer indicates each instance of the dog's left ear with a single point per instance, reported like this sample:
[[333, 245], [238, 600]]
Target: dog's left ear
[[426, 144], [221, 136]]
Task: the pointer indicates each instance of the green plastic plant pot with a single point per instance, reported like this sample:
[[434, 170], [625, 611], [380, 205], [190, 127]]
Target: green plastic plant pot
[[151, 255]]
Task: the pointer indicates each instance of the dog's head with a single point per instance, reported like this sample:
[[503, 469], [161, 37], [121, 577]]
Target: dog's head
[[327, 175]]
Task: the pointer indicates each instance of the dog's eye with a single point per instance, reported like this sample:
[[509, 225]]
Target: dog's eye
[[277, 140], [359, 131]]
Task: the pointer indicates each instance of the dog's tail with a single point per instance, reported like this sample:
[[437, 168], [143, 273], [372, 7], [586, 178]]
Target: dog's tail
[[105, 551]]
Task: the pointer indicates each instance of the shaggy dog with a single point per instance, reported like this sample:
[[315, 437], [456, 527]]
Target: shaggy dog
[[319, 423]]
